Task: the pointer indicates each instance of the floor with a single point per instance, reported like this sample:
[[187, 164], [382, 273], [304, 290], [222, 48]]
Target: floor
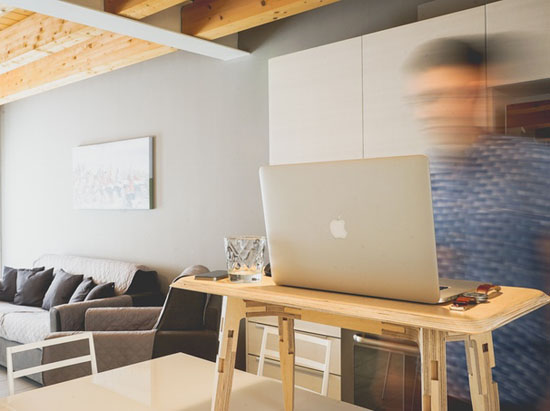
[[21, 384]]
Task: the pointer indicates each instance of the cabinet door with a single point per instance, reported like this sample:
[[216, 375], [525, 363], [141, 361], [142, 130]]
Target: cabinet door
[[389, 125], [518, 41], [315, 100]]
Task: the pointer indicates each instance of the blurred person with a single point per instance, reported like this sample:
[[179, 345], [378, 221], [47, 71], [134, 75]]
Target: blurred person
[[491, 200]]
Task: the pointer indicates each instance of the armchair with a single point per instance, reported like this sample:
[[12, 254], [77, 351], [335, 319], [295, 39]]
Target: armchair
[[188, 322]]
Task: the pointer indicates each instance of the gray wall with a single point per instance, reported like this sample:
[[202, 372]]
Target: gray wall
[[211, 126]]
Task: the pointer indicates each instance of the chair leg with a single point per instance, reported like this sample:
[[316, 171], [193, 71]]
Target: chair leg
[[434, 369], [263, 347], [233, 310], [9, 363], [480, 359], [286, 353]]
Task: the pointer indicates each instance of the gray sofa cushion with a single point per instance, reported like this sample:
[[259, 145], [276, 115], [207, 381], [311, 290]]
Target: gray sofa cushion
[[82, 290], [106, 290], [9, 282], [61, 289], [31, 286], [9, 278]]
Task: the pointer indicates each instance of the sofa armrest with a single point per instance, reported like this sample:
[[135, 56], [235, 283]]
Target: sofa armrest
[[113, 350], [121, 318], [70, 317]]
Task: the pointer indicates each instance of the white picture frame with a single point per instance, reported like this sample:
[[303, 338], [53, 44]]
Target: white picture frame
[[114, 176]]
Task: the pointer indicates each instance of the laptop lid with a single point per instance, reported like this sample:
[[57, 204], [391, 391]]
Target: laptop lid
[[360, 227]]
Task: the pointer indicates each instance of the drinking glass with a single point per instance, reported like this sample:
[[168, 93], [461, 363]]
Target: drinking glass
[[245, 258]]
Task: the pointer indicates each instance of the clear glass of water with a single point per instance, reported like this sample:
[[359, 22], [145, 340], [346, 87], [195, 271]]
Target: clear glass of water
[[245, 258]]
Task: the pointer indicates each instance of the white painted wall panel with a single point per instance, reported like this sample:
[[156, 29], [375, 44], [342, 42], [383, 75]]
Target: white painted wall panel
[[315, 104], [389, 124], [523, 29]]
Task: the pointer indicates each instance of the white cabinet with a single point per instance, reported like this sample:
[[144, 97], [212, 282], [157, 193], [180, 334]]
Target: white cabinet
[[315, 101], [518, 32], [389, 124]]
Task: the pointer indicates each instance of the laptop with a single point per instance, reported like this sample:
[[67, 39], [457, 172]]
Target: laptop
[[359, 226]]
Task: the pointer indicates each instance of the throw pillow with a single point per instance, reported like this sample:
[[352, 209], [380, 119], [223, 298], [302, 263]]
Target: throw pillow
[[31, 286], [7, 288], [61, 289], [8, 285], [82, 290], [105, 290]]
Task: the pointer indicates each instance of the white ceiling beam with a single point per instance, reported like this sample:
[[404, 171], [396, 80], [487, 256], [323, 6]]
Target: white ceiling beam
[[128, 27]]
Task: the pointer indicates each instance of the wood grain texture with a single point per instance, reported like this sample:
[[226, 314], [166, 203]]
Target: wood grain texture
[[38, 36], [99, 55], [139, 9], [480, 358], [287, 359], [233, 310], [212, 19], [434, 369], [511, 304], [41, 53], [10, 16]]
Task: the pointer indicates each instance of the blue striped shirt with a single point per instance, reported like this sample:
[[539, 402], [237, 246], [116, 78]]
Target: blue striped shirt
[[492, 218]]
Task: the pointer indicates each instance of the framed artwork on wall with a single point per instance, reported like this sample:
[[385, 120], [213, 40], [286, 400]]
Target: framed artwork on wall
[[114, 176]]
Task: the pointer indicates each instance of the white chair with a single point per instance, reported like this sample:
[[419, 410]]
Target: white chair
[[304, 362], [12, 375]]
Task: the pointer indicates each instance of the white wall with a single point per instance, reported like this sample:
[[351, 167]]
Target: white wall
[[211, 126]]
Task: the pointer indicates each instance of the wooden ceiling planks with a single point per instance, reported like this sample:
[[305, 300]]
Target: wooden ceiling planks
[[42, 53], [212, 19], [39, 53], [139, 9], [101, 54], [38, 36], [10, 16]]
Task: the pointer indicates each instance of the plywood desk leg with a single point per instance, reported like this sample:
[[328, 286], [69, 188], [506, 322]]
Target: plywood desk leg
[[233, 310], [286, 353], [480, 359], [434, 369]]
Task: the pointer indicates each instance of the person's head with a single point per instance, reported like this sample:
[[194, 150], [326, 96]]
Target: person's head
[[447, 77]]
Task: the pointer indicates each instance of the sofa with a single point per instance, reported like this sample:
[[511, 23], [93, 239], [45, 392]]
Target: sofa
[[134, 285], [188, 322]]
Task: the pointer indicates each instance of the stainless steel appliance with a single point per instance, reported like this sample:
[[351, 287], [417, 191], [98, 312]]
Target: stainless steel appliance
[[380, 373]]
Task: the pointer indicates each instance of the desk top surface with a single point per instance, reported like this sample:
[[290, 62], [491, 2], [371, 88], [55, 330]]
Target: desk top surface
[[512, 303], [174, 382]]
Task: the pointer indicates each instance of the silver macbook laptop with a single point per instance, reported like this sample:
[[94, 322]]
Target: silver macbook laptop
[[360, 227]]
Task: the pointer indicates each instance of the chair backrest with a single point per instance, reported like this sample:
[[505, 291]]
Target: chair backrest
[[10, 351], [180, 301], [324, 367]]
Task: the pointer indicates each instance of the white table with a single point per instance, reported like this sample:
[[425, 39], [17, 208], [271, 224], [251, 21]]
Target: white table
[[174, 382]]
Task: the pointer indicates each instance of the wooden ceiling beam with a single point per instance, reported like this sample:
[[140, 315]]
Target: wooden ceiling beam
[[212, 19], [101, 54], [38, 36], [139, 9], [10, 16], [128, 27]]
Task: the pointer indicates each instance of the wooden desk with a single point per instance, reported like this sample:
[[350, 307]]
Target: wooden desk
[[174, 382], [431, 326]]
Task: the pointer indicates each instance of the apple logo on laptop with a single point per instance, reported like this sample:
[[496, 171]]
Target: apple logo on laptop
[[338, 228]]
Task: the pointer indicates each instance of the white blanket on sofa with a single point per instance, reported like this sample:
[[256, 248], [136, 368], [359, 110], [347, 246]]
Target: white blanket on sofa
[[22, 323], [101, 271]]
